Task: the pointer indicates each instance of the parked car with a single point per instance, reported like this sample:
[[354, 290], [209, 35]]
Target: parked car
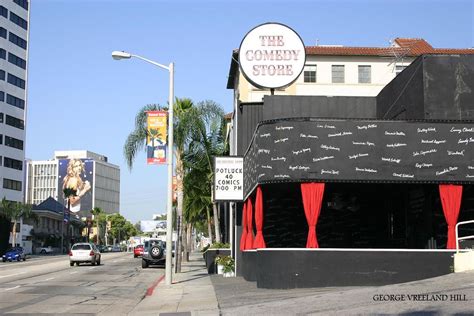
[[15, 253], [116, 249], [46, 250], [138, 251], [83, 253], [103, 248], [154, 252]]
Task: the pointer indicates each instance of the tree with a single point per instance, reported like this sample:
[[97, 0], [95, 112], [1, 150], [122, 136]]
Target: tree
[[184, 121], [14, 211], [68, 194], [208, 140], [97, 211]]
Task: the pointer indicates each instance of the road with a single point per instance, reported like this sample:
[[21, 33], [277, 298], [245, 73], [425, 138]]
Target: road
[[49, 285]]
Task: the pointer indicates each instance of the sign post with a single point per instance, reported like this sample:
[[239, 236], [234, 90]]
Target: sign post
[[228, 178]]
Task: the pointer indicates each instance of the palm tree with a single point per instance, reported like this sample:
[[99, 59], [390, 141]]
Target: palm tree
[[208, 140], [97, 211], [15, 211], [68, 194], [184, 119]]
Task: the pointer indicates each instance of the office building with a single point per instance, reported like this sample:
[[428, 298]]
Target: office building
[[14, 33]]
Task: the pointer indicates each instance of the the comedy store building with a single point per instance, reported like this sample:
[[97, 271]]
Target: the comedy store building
[[359, 190]]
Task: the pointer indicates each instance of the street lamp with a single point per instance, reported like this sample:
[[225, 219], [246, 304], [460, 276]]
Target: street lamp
[[117, 55]]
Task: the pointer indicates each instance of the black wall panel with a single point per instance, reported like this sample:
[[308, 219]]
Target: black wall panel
[[277, 107], [351, 150], [248, 117], [433, 87], [287, 269]]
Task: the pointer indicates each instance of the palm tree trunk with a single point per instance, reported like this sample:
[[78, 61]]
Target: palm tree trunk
[[189, 232], [14, 233], [216, 222], [184, 238], [179, 207], [209, 225]]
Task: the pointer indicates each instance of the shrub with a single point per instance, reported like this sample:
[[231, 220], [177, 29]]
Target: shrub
[[217, 245], [227, 262]]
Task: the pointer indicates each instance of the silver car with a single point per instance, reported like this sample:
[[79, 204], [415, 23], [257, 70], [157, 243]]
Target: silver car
[[84, 252]]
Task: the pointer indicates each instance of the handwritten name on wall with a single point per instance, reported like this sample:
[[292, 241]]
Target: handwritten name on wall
[[361, 150]]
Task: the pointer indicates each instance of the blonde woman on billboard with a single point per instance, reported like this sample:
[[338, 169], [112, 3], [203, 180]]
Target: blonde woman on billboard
[[73, 180]]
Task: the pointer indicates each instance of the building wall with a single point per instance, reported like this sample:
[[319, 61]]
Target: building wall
[[107, 187], [18, 112], [382, 72], [42, 180]]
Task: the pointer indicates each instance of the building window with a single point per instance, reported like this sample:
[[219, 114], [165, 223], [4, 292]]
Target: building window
[[2, 74], [1, 139], [11, 184], [22, 3], [19, 103], [3, 53], [310, 73], [14, 80], [1, 117], [399, 69], [365, 74], [3, 33], [17, 40], [12, 163], [13, 142], [2, 96], [15, 122], [4, 12], [15, 60], [337, 73], [18, 21]]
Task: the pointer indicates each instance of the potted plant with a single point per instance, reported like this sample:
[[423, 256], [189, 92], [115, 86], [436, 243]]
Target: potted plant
[[226, 265]]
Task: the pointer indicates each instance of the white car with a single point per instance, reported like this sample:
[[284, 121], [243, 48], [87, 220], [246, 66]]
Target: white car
[[46, 250], [84, 252]]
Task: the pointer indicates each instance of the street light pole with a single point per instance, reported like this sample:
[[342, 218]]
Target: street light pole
[[169, 206]]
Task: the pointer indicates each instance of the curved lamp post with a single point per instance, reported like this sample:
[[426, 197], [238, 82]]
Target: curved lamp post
[[169, 213]]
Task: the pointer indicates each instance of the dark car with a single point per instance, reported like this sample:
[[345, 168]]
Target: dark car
[[16, 253], [154, 252]]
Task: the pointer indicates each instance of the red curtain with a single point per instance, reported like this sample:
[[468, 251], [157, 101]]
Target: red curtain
[[451, 201], [249, 242], [312, 199], [243, 238], [259, 242]]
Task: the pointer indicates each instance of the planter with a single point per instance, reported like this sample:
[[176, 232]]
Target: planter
[[228, 274], [220, 269]]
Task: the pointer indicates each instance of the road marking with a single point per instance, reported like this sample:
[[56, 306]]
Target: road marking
[[49, 279], [73, 272], [12, 288], [5, 276]]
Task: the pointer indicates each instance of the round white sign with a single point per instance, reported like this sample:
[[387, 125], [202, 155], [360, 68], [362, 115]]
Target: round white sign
[[272, 55]]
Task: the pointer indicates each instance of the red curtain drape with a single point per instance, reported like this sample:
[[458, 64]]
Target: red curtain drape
[[259, 242], [243, 238], [312, 199], [249, 242], [451, 201]]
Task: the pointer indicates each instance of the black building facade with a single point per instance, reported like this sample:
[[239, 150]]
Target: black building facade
[[381, 159]]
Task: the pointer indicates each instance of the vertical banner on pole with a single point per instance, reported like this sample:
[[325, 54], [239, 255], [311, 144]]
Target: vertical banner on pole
[[156, 139]]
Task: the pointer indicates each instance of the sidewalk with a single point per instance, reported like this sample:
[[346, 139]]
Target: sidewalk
[[191, 293]]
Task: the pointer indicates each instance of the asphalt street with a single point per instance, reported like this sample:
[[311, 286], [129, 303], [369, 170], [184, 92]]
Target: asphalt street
[[48, 285]]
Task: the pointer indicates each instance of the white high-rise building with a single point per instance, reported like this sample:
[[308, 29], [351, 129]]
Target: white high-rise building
[[14, 33], [96, 180]]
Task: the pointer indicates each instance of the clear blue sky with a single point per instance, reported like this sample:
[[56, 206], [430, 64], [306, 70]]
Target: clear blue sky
[[81, 99]]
